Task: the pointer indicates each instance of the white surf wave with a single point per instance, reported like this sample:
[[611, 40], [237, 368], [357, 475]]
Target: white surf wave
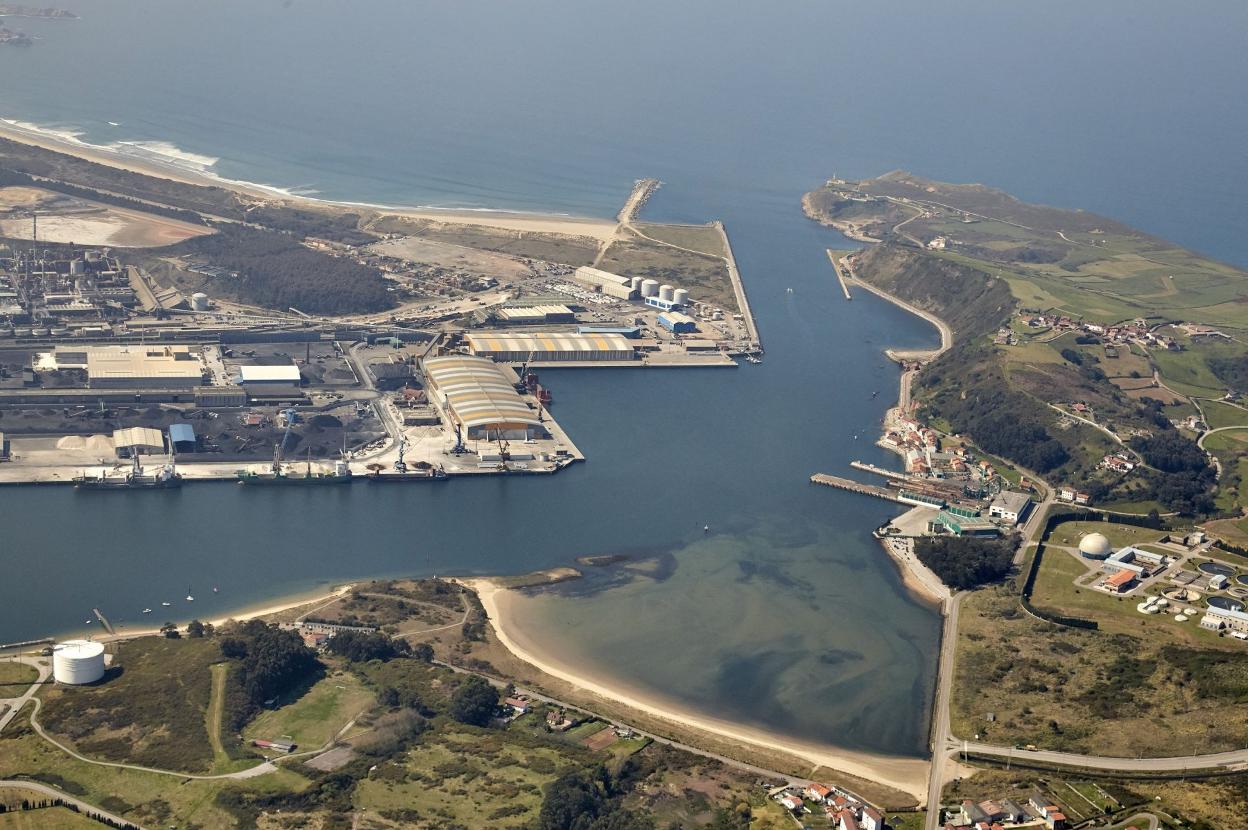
[[170, 156]]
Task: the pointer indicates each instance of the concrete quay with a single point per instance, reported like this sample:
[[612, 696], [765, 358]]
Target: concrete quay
[[840, 273], [854, 486], [738, 288]]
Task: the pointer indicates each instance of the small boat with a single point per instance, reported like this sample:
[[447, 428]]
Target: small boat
[[789, 290], [875, 394], [147, 610], [190, 598], [88, 622], [166, 604], [113, 124], [706, 528], [214, 589]]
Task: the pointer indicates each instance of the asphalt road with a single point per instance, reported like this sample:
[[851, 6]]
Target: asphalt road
[[68, 799]]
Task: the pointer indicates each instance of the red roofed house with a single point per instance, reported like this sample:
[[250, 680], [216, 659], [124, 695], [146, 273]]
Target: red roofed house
[[847, 821], [818, 793], [871, 819], [792, 802]]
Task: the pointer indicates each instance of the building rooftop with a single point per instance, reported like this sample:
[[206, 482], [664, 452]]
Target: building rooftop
[[287, 373], [477, 391]]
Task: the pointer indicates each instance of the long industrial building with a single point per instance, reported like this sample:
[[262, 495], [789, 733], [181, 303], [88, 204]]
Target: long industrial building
[[479, 397], [550, 346], [130, 367]]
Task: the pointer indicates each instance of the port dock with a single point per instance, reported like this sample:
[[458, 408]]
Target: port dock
[[855, 487], [738, 288], [840, 272]]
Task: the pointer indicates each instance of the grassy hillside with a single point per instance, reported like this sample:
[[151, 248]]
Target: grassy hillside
[[1067, 260]]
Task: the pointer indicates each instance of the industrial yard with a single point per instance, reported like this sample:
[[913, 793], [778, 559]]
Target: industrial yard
[[118, 368]]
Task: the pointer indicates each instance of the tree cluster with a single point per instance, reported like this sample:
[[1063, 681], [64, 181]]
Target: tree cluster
[[474, 702], [1233, 371], [588, 800], [276, 271], [360, 646], [270, 661], [963, 562]]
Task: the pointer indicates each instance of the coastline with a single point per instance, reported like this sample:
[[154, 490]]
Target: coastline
[[908, 775], [145, 161], [256, 610]]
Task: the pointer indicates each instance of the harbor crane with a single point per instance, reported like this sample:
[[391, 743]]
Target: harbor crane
[[401, 465]]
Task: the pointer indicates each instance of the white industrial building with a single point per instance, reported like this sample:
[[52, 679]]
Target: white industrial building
[[270, 381], [613, 285], [549, 346], [520, 315], [1217, 619], [1010, 507], [138, 441], [481, 399], [129, 367], [78, 662]]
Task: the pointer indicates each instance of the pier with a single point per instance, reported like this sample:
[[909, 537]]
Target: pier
[[854, 486], [643, 189], [880, 471], [840, 272], [738, 288]]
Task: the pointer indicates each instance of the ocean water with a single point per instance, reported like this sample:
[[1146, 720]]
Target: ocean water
[[1132, 109]]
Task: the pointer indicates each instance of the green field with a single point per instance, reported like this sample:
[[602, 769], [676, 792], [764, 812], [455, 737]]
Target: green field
[[151, 710], [17, 675], [313, 719], [702, 238], [459, 779], [147, 798], [705, 276], [1218, 414], [51, 818]]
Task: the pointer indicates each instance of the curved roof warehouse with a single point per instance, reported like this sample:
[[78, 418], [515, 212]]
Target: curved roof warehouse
[[481, 399]]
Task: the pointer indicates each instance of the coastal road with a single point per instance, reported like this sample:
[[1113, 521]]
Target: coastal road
[[1236, 759], [16, 704], [941, 735], [84, 807]]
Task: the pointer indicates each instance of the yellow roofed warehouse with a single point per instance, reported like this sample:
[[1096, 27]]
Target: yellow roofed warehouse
[[479, 397], [550, 346]]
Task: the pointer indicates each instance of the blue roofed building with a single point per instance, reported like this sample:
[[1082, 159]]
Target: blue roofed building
[[182, 438]]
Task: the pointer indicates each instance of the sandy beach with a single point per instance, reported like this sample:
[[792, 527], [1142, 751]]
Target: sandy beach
[[122, 159], [906, 774], [244, 614]]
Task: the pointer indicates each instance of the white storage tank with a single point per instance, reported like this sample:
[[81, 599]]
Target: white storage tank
[[665, 292], [77, 662], [680, 296], [649, 288], [199, 301], [634, 283]]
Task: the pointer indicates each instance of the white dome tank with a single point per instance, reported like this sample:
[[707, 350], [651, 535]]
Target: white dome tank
[[634, 283], [680, 296], [77, 662], [1095, 546], [665, 292], [649, 288], [199, 301]]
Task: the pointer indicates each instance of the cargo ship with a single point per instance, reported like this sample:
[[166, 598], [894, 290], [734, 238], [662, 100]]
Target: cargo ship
[[136, 478]]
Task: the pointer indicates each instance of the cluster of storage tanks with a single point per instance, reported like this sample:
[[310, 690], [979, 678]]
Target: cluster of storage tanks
[[651, 288], [78, 662]]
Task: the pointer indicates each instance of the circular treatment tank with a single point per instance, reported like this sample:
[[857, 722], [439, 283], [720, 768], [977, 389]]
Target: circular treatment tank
[[665, 292], [77, 662], [680, 296], [1216, 568], [1095, 546], [1225, 603], [649, 288]]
